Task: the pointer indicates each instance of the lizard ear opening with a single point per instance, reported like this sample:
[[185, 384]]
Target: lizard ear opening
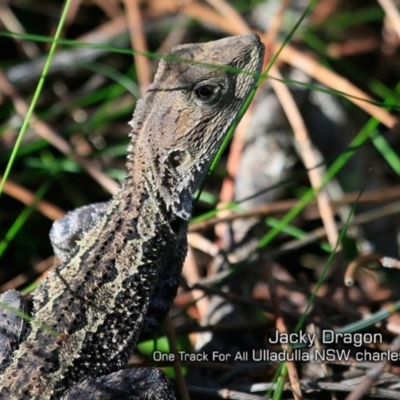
[[178, 157]]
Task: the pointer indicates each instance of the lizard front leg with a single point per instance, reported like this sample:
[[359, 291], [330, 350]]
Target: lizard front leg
[[67, 230], [134, 383], [129, 384], [64, 234]]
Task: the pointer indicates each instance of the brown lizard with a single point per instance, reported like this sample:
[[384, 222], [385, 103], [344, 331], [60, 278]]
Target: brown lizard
[[122, 275]]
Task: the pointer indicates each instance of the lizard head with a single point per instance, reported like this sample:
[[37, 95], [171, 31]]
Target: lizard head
[[181, 121]]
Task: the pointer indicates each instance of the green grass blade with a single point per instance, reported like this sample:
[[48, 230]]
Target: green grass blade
[[36, 95]]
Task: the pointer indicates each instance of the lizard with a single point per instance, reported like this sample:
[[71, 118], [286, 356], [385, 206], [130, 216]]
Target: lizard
[[121, 276]]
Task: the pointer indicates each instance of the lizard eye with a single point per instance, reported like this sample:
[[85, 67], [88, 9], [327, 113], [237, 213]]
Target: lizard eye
[[207, 93], [177, 157]]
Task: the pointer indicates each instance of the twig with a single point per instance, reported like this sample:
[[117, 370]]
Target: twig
[[336, 82], [376, 196], [308, 154], [169, 329], [44, 130], [373, 374], [392, 13], [138, 43]]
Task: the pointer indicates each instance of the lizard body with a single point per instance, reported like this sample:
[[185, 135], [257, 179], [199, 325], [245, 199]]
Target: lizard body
[[122, 275]]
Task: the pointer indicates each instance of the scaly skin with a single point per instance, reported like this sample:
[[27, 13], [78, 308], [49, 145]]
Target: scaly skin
[[123, 274]]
